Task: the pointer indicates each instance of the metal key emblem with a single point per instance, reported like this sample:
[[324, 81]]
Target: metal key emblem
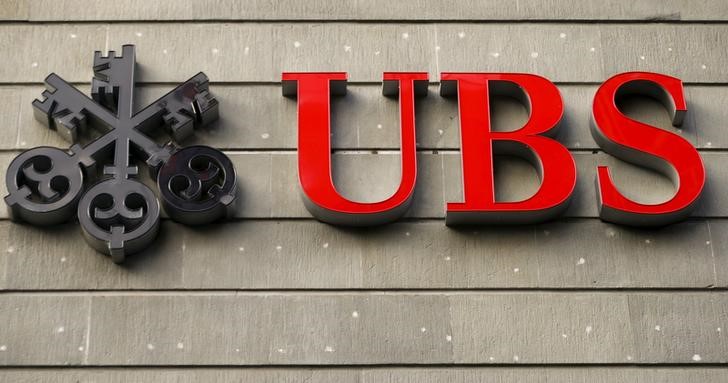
[[119, 215]]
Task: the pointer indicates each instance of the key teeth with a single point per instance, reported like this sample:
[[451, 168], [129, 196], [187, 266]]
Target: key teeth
[[103, 66], [103, 93], [202, 82], [47, 107], [206, 108], [55, 116], [203, 110], [101, 72], [98, 88], [180, 124], [68, 125], [98, 56], [42, 110]]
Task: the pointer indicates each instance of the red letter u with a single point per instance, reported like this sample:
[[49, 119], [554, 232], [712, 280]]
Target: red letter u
[[313, 91]]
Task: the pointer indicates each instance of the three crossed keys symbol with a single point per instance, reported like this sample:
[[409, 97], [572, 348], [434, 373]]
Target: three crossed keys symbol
[[119, 215]]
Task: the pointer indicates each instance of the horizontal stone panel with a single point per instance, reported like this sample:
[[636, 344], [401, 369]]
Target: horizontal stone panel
[[259, 52], [362, 328], [370, 375], [421, 10], [307, 254]]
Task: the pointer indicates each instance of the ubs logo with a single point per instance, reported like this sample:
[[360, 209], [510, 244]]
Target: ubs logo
[[119, 215]]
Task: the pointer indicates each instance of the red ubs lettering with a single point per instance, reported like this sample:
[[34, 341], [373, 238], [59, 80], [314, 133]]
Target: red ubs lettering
[[615, 133]]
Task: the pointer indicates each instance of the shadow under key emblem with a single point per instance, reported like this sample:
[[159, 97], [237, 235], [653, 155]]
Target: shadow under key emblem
[[119, 215]]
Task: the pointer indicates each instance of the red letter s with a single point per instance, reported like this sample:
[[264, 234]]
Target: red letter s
[[645, 145]]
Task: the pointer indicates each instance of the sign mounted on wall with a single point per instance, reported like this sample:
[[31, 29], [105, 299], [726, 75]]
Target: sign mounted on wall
[[119, 215], [616, 133]]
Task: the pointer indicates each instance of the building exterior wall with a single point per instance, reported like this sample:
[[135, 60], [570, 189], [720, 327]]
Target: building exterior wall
[[275, 296]]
